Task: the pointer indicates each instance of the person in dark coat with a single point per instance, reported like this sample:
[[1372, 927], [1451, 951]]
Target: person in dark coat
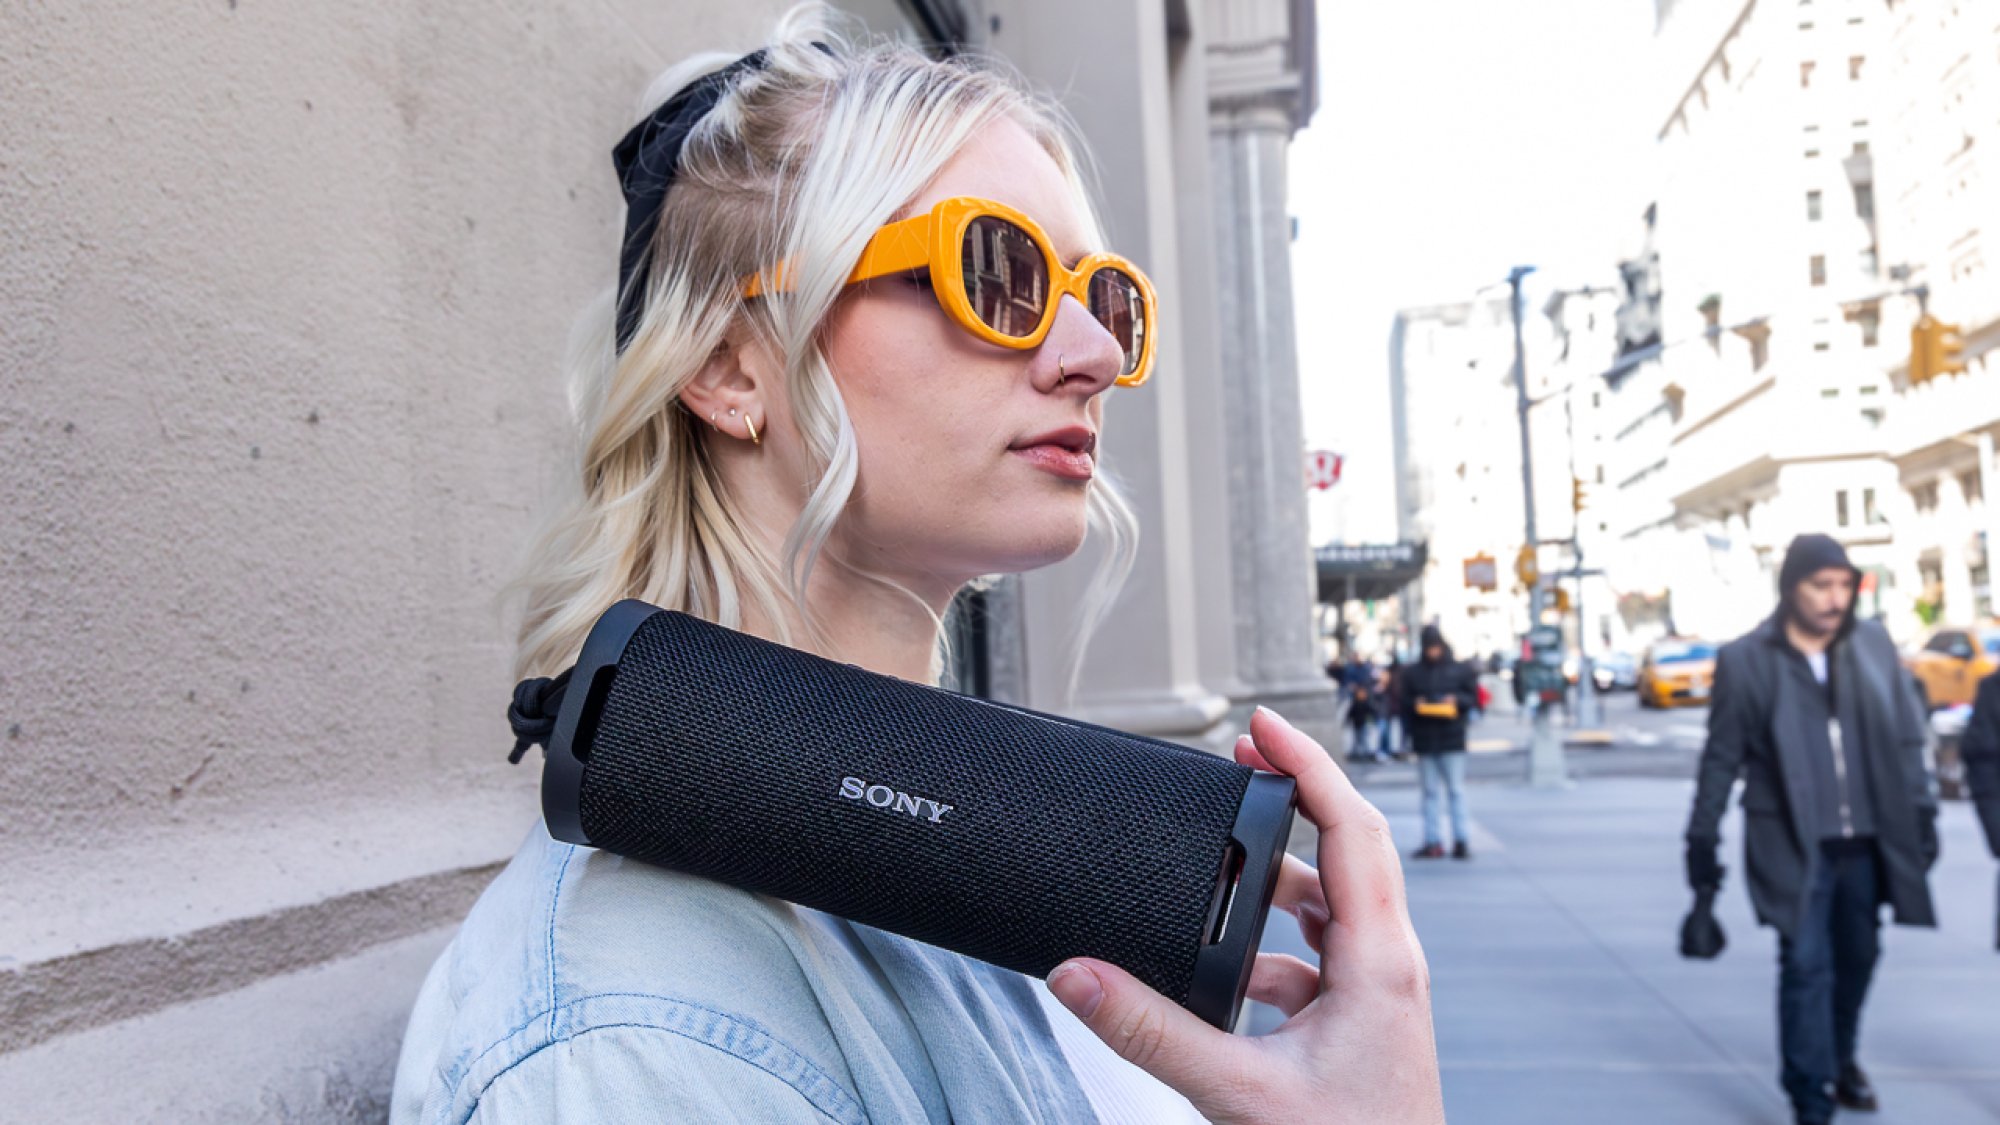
[[1979, 752], [1390, 742], [1439, 693], [1358, 682], [1812, 709]]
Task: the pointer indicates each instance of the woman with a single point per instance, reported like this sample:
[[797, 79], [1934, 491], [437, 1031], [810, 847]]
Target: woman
[[794, 422], [1439, 693]]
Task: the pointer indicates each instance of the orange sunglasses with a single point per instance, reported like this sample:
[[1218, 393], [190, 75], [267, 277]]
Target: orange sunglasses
[[997, 275]]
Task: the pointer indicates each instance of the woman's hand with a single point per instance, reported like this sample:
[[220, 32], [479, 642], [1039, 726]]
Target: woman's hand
[[1358, 1043]]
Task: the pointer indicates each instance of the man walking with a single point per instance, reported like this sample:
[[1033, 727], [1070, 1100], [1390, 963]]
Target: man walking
[[1439, 694], [1979, 750], [1814, 711]]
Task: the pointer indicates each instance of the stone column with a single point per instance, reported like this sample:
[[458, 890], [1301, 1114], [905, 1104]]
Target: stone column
[[1261, 75]]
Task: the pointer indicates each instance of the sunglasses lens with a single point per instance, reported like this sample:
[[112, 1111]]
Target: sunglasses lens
[[1120, 306], [1006, 276]]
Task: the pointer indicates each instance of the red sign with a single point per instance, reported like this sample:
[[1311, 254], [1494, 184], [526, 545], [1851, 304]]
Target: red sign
[[1323, 469]]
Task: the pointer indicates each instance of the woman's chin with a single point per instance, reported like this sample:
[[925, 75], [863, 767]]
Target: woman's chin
[[1037, 546]]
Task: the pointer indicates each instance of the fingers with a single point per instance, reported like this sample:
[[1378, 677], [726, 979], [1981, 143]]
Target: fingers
[[1284, 982], [1246, 754], [1300, 894], [1359, 868], [1145, 1028]]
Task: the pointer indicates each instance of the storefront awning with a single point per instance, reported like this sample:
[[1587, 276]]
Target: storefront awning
[[1367, 571]]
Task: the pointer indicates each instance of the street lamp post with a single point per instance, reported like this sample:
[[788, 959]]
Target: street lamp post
[[1545, 752]]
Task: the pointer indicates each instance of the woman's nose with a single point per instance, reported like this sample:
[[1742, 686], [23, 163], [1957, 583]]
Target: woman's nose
[[1079, 356]]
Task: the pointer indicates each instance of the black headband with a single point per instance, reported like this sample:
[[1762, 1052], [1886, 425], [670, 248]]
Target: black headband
[[646, 161]]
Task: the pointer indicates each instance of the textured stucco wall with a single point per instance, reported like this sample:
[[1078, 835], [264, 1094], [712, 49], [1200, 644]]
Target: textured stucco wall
[[283, 294]]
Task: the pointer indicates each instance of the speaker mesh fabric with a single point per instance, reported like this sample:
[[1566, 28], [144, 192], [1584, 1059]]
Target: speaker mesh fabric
[[723, 755]]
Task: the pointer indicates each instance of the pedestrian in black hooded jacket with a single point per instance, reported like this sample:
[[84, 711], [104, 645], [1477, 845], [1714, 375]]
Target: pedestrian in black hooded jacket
[[1979, 750], [1438, 698], [1812, 709]]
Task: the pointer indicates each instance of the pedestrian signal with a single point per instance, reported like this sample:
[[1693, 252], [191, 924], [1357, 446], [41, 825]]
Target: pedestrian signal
[[1562, 600], [1577, 496]]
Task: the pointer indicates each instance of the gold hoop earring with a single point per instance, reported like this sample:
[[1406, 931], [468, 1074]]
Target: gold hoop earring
[[754, 439], [1062, 373]]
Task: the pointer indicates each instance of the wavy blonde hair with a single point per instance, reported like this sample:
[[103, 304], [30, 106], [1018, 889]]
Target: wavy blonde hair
[[800, 162]]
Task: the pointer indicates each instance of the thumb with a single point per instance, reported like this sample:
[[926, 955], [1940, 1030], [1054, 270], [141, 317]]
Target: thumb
[[1145, 1028]]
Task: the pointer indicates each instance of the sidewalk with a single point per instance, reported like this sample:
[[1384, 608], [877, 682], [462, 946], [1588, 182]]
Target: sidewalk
[[1559, 996]]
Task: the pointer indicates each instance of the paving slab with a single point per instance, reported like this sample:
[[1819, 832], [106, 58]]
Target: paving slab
[[1559, 995]]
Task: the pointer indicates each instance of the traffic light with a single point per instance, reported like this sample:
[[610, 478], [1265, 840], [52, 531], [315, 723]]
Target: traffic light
[[1562, 600], [1936, 349], [1577, 497]]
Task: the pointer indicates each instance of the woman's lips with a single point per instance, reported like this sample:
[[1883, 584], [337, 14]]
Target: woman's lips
[[1070, 464]]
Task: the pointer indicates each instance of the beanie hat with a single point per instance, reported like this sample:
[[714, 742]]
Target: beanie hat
[[1807, 556]]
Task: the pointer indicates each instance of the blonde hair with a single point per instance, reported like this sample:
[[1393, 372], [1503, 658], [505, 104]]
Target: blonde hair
[[800, 161]]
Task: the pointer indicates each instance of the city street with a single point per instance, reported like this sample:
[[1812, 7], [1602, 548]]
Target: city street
[[1558, 992], [1631, 742]]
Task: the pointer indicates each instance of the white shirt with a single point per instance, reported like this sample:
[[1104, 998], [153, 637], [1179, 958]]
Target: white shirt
[[1120, 1092], [1818, 662]]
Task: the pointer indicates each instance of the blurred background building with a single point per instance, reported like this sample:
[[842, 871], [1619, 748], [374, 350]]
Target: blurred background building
[[286, 293], [1816, 218]]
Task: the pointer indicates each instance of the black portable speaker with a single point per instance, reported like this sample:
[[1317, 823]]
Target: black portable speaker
[[1015, 837]]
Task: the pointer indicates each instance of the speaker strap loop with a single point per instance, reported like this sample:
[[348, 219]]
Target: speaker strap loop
[[532, 714]]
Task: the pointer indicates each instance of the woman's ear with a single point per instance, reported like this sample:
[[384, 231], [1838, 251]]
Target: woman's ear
[[730, 391]]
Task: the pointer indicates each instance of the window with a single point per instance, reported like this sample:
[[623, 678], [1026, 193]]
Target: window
[[1854, 67], [1870, 513], [1812, 206], [1870, 320], [1821, 346], [1812, 153], [1829, 392], [1805, 74], [1840, 508], [1819, 269], [1871, 264], [1968, 483], [1860, 148], [1864, 201], [1950, 642]]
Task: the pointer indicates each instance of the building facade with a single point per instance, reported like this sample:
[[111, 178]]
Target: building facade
[[1772, 290], [280, 383], [1940, 195]]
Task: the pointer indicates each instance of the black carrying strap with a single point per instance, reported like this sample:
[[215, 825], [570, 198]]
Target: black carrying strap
[[532, 714]]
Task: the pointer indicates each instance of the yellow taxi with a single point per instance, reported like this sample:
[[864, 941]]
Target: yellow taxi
[[1952, 661], [1677, 672]]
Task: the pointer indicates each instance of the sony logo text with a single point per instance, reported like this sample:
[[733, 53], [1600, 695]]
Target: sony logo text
[[883, 797]]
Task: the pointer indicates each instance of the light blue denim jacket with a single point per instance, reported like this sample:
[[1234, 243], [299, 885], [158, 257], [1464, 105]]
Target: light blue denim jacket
[[587, 987]]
